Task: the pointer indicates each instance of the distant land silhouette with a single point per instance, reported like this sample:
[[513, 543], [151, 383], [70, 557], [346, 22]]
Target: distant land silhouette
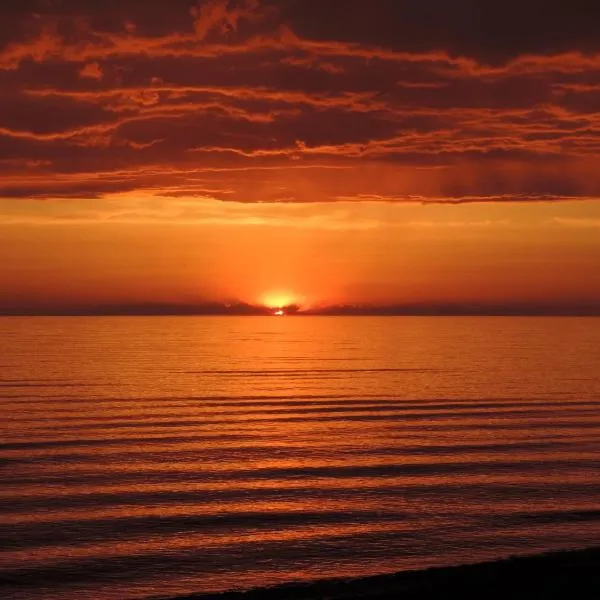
[[242, 308]]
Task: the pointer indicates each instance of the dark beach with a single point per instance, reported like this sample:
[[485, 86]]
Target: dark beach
[[569, 574]]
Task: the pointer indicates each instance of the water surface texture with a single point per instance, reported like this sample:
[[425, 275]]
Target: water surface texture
[[147, 456]]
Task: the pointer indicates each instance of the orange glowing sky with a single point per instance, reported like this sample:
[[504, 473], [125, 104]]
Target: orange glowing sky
[[280, 152]]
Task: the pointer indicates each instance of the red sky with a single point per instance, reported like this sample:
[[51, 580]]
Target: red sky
[[328, 152]]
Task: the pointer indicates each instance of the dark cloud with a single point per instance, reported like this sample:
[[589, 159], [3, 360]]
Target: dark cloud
[[492, 32], [496, 100]]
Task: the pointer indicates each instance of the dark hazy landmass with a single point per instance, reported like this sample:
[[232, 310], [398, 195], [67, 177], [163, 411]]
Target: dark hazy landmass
[[241, 309], [574, 575]]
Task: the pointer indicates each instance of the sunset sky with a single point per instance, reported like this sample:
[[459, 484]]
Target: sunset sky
[[309, 151]]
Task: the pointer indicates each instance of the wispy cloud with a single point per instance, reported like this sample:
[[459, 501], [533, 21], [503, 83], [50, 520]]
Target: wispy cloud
[[577, 222], [109, 101]]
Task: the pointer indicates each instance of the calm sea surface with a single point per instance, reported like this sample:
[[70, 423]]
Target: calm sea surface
[[142, 457]]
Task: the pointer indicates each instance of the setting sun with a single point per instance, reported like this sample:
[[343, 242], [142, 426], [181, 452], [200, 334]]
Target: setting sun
[[278, 300]]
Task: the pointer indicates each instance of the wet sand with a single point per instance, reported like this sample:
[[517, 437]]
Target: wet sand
[[570, 575]]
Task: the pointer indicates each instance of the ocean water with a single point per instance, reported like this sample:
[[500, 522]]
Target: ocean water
[[146, 457]]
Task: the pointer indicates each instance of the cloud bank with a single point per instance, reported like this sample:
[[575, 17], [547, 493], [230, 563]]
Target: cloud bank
[[289, 101]]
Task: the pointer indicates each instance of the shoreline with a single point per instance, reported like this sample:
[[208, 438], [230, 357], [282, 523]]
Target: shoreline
[[572, 574]]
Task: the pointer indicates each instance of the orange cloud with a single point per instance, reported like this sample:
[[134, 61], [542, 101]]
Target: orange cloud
[[234, 85], [92, 70]]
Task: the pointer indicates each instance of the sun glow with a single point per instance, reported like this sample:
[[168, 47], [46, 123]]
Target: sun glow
[[278, 300], [279, 313]]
